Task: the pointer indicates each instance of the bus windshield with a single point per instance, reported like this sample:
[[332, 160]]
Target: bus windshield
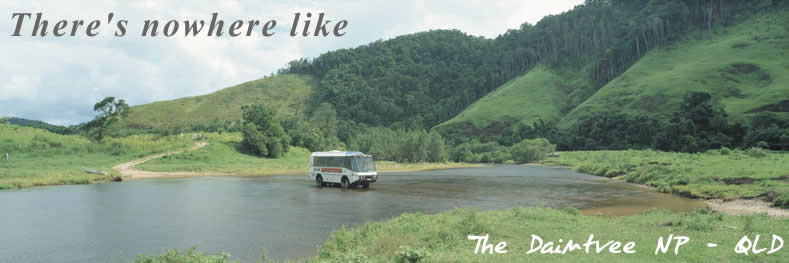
[[363, 164]]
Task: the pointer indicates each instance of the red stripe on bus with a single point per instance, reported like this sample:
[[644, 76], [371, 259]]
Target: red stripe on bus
[[331, 170]]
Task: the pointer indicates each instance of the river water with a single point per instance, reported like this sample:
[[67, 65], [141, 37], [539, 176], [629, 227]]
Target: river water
[[286, 215]]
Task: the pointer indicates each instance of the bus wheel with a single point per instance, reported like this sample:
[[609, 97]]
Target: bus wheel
[[319, 181], [345, 183], [366, 185]]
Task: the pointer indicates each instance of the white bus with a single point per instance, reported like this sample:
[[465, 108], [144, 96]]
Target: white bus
[[348, 169]]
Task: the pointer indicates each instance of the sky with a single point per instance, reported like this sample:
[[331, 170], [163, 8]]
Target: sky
[[58, 79]]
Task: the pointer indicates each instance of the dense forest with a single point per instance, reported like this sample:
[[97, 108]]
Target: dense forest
[[432, 76], [417, 81]]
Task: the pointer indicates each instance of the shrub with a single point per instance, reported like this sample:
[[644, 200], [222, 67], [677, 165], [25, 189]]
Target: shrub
[[756, 152], [117, 148], [531, 150], [725, 151], [782, 200], [762, 145], [571, 211], [408, 254]]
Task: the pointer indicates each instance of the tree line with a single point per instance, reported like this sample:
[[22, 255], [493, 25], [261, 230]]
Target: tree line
[[266, 136], [697, 125]]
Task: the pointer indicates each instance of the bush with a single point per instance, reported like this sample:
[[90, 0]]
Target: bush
[[725, 151], [782, 200], [411, 255], [118, 148], [756, 152], [531, 150], [762, 145]]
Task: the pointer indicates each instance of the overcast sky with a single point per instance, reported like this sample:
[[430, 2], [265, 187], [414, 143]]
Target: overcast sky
[[58, 79]]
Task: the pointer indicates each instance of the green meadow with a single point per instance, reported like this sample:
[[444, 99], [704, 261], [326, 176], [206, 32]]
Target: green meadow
[[38, 157], [443, 237], [222, 155], [723, 174]]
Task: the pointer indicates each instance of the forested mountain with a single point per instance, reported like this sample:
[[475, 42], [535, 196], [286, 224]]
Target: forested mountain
[[432, 76], [741, 65], [639, 58], [428, 76]]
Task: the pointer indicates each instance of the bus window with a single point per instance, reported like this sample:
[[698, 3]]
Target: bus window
[[363, 164]]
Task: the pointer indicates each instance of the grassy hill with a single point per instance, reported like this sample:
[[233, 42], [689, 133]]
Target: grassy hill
[[539, 94], [745, 66], [286, 93]]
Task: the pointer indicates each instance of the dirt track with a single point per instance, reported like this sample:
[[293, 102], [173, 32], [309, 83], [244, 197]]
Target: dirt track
[[743, 207], [128, 170]]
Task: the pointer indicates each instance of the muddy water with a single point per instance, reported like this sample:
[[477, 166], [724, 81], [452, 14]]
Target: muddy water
[[286, 215]]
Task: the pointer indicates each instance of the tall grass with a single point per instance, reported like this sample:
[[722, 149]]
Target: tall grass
[[38, 157], [725, 174], [287, 94], [443, 237], [188, 256]]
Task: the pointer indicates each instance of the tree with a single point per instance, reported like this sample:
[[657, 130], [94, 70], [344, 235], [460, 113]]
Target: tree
[[531, 150], [263, 134], [109, 111], [436, 148], [325, 119], [699, 125]]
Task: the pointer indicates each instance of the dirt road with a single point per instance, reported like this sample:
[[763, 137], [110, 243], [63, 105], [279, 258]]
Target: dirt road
[[744, 207], [128, 170]]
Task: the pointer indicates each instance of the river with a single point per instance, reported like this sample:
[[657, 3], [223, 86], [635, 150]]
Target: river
[[286, 215]]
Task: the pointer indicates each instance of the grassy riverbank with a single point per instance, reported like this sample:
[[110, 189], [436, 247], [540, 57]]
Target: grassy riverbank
[[221, 155], [443, 237], [39, 158], [724, 174]]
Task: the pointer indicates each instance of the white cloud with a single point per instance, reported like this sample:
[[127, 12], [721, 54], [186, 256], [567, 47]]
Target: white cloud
[[58, 79]]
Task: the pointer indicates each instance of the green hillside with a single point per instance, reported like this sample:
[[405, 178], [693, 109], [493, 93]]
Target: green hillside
[[539, 94], [745, 66], [287, 94]]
